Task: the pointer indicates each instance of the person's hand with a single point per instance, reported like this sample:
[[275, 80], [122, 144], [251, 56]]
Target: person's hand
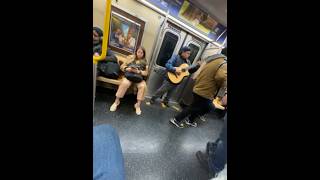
[[129, 69], [224, 100], [96, 54], [135, 71], [178, 70], [201, 61]]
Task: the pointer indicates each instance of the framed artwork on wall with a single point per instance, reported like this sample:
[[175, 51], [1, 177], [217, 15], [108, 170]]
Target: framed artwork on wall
[[125, 31]]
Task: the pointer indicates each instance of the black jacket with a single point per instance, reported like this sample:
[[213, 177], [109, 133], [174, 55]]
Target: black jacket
[[111, 57]]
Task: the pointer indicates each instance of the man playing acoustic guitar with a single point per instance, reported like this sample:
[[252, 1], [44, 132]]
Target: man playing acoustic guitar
[[173, 67]]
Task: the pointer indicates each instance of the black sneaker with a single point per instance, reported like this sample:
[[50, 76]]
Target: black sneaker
[[164, 104], [194, 124], [176, 123], [203, 159], [152, 100], [182, 105]]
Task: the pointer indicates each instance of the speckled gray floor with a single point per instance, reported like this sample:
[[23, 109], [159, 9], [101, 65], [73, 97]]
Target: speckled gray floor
[[153, 148]]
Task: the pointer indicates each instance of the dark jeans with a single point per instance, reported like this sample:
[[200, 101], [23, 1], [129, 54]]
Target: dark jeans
[[108, 160], [202, 113], [218, 156], [166, 87], [199, 107]]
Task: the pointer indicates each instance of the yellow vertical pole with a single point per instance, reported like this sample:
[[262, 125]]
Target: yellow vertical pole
[[104, 47], [105, 34]]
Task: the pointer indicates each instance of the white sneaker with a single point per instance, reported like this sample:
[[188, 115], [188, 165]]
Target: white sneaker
[[114, 107], [138, 110], [174, 121], [194, 124]]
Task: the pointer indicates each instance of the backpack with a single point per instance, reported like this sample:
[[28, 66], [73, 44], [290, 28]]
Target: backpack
[[109, 69]]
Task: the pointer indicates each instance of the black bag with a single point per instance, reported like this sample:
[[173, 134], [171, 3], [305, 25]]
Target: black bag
[[109, 69], [133, 77], [136, 78]]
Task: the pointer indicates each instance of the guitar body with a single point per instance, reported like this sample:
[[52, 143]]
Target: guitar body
[[176, 79]]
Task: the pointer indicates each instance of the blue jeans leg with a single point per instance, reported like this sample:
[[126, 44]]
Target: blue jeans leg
[[218, 158], [108, 160]]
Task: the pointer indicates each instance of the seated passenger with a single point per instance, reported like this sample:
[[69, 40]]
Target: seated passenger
[[107, 67], [135, 65], [97, 41], [97, 45]]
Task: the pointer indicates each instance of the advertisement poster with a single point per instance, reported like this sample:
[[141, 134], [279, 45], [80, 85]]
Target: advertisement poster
[[184, 11]]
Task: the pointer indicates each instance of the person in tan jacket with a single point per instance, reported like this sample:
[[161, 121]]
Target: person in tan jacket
[[137, 59], [211, 78]]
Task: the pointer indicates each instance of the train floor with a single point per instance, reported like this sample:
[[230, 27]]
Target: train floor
[[153, 148]]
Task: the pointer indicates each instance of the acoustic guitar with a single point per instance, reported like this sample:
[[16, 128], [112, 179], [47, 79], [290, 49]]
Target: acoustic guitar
[[177, 78]]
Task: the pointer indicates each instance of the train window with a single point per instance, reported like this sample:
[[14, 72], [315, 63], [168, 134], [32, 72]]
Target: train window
[[167, 47], [194, 52]]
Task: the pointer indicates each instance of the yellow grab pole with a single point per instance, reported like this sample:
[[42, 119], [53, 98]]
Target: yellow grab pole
[[106, 34], [104, 47]]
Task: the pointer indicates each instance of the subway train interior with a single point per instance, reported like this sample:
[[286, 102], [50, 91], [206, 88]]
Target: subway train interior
[[160, 89]]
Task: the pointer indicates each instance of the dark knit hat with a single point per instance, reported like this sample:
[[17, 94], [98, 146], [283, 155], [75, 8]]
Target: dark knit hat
[[184, 49]]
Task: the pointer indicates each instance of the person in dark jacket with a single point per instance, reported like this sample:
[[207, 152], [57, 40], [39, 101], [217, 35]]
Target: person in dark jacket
[[173, 66], [97, 41], [97, 49], [97, 45]]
